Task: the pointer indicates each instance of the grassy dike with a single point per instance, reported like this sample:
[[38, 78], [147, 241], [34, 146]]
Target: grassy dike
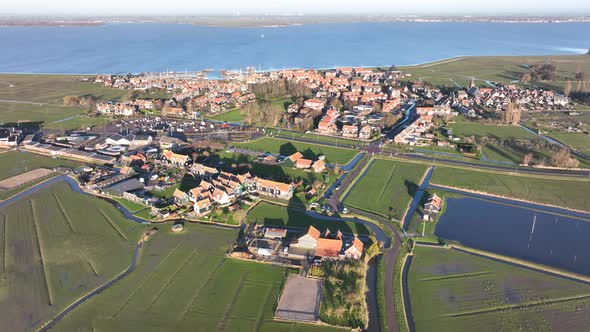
[[398, 286], [381, 293]]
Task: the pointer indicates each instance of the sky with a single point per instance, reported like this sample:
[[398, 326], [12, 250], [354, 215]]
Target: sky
[[306, 7]]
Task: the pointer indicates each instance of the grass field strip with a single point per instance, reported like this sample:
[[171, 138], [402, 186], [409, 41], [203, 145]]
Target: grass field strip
[[128, 300], [260, 316], [387, 182], [5, 242], [519, 306], [198, 292], [182, 266], [456, 276], [40, 247], [355, 180], [65, 214], [113, 225], [230, 305]]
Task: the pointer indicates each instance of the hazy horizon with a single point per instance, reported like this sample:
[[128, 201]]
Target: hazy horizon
[[301, 7]]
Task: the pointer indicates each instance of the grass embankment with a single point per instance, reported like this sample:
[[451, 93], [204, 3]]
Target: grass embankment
[[56, 246], [477, 293], [502, 69], [398, 291], [386, 188], [39, 99], [566, 193], [310, 151], [184, 281], [276, 215], [381, 293]]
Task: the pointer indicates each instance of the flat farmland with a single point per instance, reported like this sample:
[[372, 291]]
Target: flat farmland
[[463, 129], [386, 187], [578, 141], [311, 151], [56, 246], [563, 192], [504, 69], [184, 282], [455, 291], [39, 98], [15, 162]]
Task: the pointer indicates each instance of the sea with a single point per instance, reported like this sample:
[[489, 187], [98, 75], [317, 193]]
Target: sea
[[134, 48]]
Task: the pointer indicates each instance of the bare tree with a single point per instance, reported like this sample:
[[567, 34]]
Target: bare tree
[[568, 88]]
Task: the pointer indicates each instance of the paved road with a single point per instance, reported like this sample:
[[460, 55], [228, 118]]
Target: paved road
[[390, 251]]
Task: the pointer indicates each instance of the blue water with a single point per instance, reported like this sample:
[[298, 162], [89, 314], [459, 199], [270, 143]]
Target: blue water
[[122, 48], [555, 240]]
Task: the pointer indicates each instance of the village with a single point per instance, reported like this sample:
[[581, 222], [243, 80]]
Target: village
[[283, 179]]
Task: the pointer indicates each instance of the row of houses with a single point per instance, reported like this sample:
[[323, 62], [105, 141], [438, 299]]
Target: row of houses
[[124, 109], [416, 132], [223, 188]]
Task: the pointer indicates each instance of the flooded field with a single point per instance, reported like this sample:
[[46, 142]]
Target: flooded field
[[548, 236]]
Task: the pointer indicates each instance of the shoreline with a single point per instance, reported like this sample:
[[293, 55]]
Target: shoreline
[[400, 67]]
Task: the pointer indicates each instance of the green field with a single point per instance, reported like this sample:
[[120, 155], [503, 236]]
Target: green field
[[184, 282], [56, 246], [311, 151], [464, 129], [503, 69], [14, 163], [276, 215], [231, 116], [20, 102], [290, 134], [578, 141], [566, 193], [455, 291], [386, 188]]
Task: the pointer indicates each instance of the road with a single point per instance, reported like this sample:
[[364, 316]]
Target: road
[[390, 251]]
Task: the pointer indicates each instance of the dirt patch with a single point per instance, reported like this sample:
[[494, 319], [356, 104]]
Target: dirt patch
[[21, 179], [300, 299]]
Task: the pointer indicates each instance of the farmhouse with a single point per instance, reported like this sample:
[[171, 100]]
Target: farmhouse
[[326, 246], [433, 204]]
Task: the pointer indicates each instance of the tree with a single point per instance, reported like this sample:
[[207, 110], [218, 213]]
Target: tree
[[337, 169], [335, 103], [71, 100], [568, 88], [527, 158], [562, 158], [525, 78], [373, 249]]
